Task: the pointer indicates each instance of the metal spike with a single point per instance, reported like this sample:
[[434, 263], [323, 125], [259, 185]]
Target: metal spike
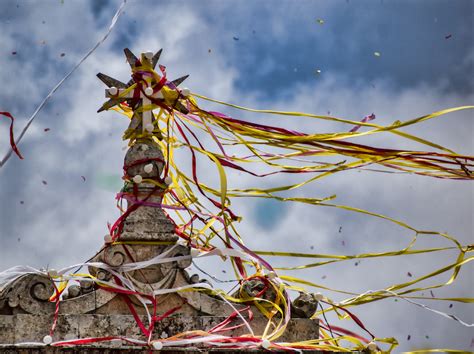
[[180, 80], [110, 103], [180, 107], [155, 58], [131, 58], [110, 81], [135, 122]]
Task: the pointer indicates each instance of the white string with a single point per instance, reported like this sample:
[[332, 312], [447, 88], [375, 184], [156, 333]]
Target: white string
[[46, 99], [447, 315]]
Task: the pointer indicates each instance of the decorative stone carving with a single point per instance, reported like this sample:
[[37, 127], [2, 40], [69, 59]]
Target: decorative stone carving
[[27, 294]]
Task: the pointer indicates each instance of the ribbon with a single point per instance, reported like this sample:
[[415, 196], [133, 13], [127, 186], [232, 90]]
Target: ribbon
[[12, 139]]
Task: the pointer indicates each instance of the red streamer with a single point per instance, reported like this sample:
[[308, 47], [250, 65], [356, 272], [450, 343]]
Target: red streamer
[[12, 139]]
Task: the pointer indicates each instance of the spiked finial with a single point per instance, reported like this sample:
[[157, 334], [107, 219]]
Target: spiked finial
[[131, 58], [179, 80], [110, 81], [143, 92], [155, 58]]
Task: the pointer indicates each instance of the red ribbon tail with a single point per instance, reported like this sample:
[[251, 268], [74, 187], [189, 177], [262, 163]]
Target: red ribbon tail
[[12, 139]]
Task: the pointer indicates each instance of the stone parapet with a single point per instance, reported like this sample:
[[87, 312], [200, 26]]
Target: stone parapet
[[26, 328]]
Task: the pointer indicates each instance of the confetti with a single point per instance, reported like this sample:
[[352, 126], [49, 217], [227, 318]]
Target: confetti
[[427, 337], [83, 178], [450, 306], [364, 120], [209, 50], [318, 71], [44, 182], [62, 55], [432, 293], [356, 263], [409, 274], [235, 38], [22, 202], [46, 129], [320, 21], [13, 53], [311, 248], [448, 36], [340, 227], [377, 54], [343, 242], [409, 337], [323, 277]]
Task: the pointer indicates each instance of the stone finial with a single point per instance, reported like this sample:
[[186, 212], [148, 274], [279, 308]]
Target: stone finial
[[146, 223], [304, 306]]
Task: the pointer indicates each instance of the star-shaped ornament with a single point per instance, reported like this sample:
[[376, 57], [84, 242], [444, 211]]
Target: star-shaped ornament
[[146, 88]]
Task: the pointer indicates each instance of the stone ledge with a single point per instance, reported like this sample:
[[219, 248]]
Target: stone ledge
[[94, 350], [25, 328]]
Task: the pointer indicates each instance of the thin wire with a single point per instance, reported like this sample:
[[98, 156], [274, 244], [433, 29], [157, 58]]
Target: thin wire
[[325, 319], [50, 94], [213, 277]]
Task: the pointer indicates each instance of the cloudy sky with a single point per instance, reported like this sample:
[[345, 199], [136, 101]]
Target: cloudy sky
[[262, 54]]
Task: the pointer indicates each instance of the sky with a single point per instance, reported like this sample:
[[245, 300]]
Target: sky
[[396, 59]]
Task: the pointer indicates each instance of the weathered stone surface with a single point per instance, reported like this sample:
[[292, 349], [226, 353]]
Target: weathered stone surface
[[23, 328], [27, 294], [141, 151], [127, 349], [304, 306], [147, 223], [7, 329]]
